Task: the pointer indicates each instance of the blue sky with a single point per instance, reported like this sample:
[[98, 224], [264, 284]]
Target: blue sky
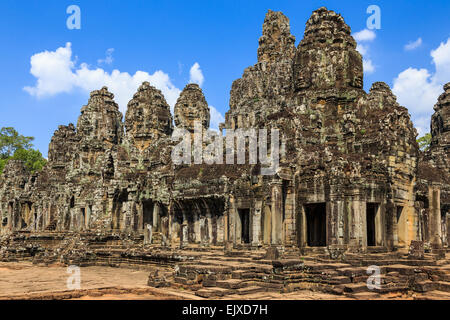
[[165, 40]]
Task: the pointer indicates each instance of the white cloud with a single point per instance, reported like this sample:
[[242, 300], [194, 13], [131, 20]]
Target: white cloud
[[53, 70], [413, 44], [364, 35], [56, 73], [196, 75], [215, 118], [361, 48], [441, 60], [108, 58], [419, 89], [368, 66]]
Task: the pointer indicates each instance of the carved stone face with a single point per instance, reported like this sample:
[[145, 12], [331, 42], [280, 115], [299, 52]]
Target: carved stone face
[[190, 107], [148, 116], [302, 74], [355, 70], [100, 118]]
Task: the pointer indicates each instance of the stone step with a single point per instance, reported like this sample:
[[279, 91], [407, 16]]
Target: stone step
[[443, 286], [339, 280], [206, 293], [249, 290], [231, 284], [355, 287], [426, 286]]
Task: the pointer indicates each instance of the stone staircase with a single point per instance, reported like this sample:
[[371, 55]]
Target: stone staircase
[[241, 275]]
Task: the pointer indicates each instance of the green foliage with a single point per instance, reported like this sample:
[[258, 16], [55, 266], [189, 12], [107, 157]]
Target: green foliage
[[18, 147], [2, 164], [33, 159], [424, 142], [10, 141]]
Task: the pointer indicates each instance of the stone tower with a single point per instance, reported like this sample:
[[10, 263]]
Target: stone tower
[[276, 41], [148, 117], [100, 119], [326, 58], [191, 106], [440, 131]]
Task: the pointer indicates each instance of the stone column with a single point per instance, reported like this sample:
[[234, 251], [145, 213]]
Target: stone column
[[156, 217], [434, 194], [171, 219], [184, 240], [277, 212], [390, 216], [232, 220], [256, 224], [148, 234]]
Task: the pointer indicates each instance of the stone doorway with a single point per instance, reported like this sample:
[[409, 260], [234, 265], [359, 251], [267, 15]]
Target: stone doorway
[[373, 222], [244, 225], [147, 212], [117, 211], [83, 219], [316, 224]]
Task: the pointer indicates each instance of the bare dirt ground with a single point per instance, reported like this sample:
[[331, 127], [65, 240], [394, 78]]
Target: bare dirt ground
[[23, 280]]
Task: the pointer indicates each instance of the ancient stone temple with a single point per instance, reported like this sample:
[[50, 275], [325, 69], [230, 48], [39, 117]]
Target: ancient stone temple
[[351, 177]]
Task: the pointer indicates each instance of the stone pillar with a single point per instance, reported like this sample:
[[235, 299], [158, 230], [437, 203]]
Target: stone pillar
[[267, 236], [256, 224], [448, 229], [184, 239], [301, 227], [88, 216], [140, 215], [109, 208], [356, 213], [277, 212], [289, 209], [148, 234], [171, 219], [434, 194], [232, 220], [156, 217], [391, 218], [225, 226]]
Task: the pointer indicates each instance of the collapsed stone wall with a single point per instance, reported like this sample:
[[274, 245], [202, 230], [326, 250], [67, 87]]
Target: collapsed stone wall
[[351, 175]]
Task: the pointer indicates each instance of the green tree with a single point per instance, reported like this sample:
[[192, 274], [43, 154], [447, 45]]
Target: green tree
[[11, 140], [33, 159], [424, 142], [18, 147]]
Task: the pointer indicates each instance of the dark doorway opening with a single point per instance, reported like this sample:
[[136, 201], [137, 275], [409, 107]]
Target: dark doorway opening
[[244, 216], [147, 212], [371, 213], [316, 224], [83, 218]]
